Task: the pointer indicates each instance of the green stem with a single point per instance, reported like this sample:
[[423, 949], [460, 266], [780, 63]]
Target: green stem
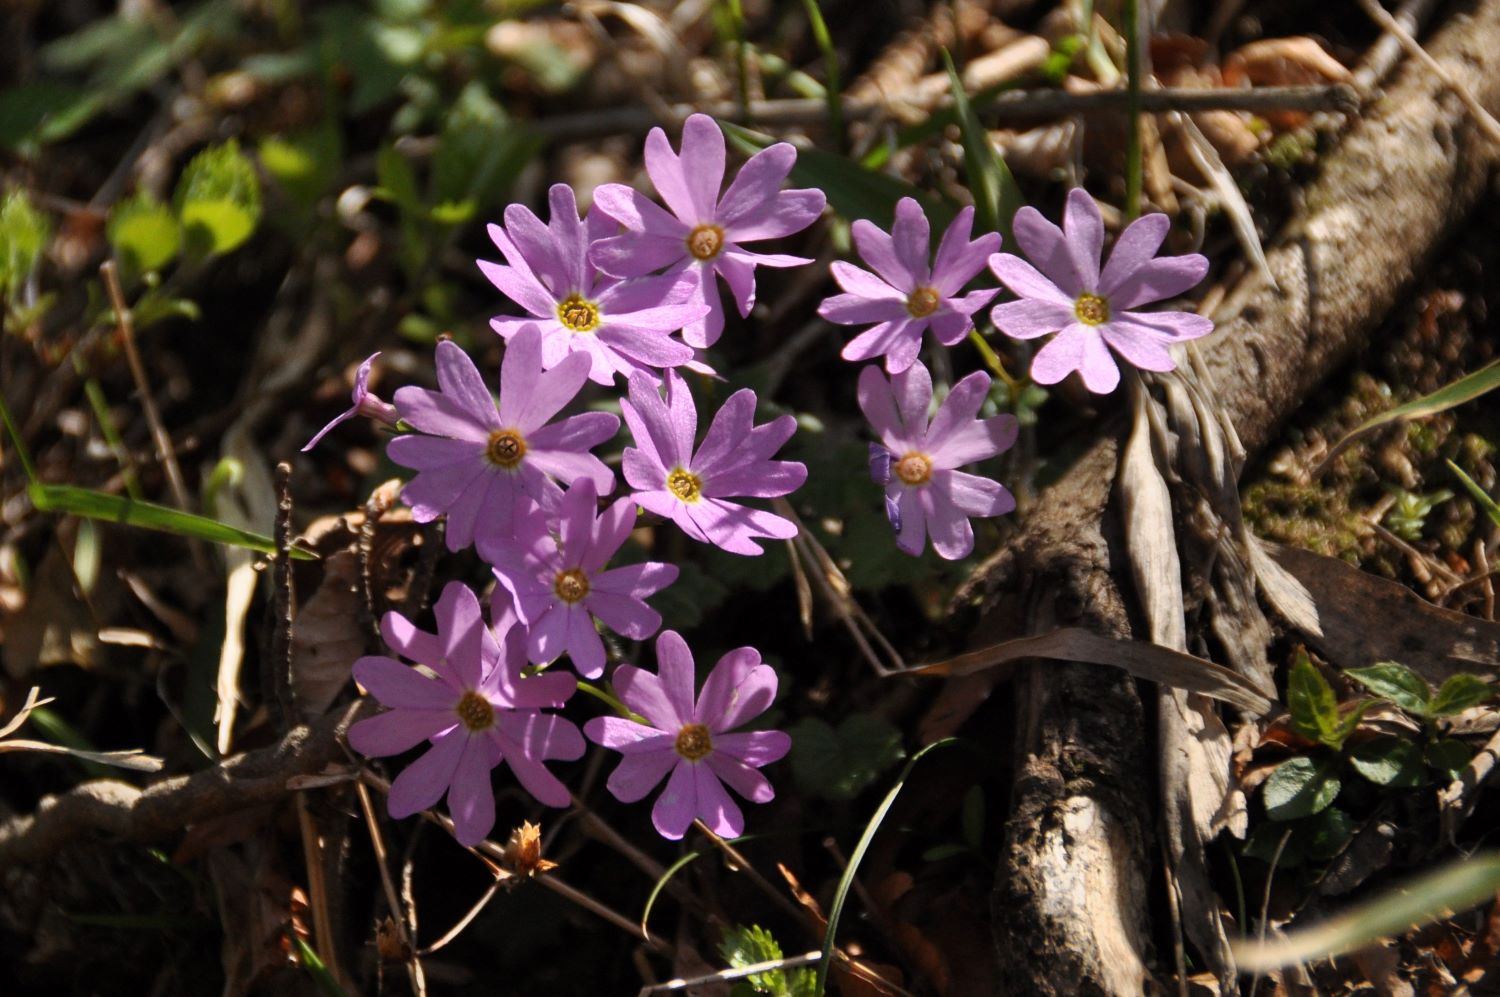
[[994, 363], [111, 433], [610, 700], [741, 56], [834, 95], [22, 453], [1133, 73]]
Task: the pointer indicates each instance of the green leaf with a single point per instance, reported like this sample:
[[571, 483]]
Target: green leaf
[[1326, 833], [996, 196], [144, 232], [1454, 888], [1300, 787], [841, 894], [480, 152], [303, 163], [1491, 509], [1397, 683], [24, 234], [853, 191], [1389, 761], [1314, 708], [1449, 756], [744, 947], [43, 111], [1459, 693], [117, 509], [1465, 389], [839, 764], [218, 199]]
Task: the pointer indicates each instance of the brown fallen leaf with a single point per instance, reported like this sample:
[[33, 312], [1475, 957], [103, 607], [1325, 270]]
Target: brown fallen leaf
[[326, 635]]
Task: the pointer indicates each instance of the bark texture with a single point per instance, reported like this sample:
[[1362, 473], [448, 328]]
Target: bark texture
[[1071, 904]]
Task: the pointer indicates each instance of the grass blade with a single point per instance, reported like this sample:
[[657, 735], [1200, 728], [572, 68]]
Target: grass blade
[[1131, 15], [841, 895], [996, 196], [833, 93], [1485, 502], [1455, 887], [1465, 389], [107, 508]]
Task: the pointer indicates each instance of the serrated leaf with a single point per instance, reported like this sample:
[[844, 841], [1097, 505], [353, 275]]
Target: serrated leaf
[[24, 234], [1394, 681], [1460, 692], [1449, 756], [1301, 787], [839, 764], [218, 199], [1389, 761], [1313, 706], [748, 946], [144, 232]]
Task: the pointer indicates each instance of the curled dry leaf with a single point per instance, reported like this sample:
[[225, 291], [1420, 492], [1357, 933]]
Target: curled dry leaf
[[326, 635]]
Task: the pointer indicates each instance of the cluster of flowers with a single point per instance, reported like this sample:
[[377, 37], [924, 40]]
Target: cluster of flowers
[[632, 291]]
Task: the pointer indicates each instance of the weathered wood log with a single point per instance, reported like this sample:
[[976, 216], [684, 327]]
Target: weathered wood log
[[1070, 905]]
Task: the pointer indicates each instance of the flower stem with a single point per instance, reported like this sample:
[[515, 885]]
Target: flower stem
[[994, 363], [1133, 71], [610, 700], [834, 94]]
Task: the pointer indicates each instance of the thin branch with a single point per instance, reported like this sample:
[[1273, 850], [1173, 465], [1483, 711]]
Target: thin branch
[[1391, 26], [636, 119]]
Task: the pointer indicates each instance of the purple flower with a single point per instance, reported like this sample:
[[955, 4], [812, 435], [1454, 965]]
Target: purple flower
[[690, 488], [916, 460], [691, 740], [476, 712], [622, 326], [365, 404], [480, 462], [704, 238], [559, 584], [1088, 309], [907, 297]]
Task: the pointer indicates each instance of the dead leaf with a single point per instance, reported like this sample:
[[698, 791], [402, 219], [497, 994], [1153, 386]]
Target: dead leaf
[[1434, 642], [326, 635]]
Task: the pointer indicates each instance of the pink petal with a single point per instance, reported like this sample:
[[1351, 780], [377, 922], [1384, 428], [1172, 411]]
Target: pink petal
[[732, 424], [1157, 280], [952, 536], [1084, 228], [635, 581], [1137, 244], [877, 249], [520, 286], [862, 283], [738, 688], [958, 259], [957, 411], [395, 684], [585, 647], [974, 495], [1138, 345], [529, 396], [548, 636], [738, 270], [899, 341], [677, 805], [637, 775], [643, 693], [674, 668], [1064, 354], [667, 176], [1024, 280], [625, 615], [1047, 248], [403, 637], [627, 736], [912, 389], [720, 813], [461, 629], [754, 747], [792, 211], [471, 800], [741, 777], [754, 190], [639, 214], [878, 403], [440, 415], [422, 783], [735, 527], [1031, 317], [911, 239], [432, 493], [913, 534], [397, 731]]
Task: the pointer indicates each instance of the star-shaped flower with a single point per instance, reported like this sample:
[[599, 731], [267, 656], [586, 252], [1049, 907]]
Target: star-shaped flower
[[692, 488], [560, 585], [365, 403], [703, 235], [917, 461], [477, 461], [621, 326], [475, 708], [1091, 311], [905, 296], [692, 740]]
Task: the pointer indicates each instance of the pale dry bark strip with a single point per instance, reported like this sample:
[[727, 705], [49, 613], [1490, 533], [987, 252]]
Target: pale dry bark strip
[[1071, 903]]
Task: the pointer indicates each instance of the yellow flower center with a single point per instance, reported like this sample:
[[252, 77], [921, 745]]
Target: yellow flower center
[[505, 448], [1091, 309], [685, 485], [577, 314], [705, 241], [693, 742], [914, 468], [571, 585], [476, 712], [922, 302]]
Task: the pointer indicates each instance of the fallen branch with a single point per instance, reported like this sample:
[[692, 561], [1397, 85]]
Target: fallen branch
[[1070, 912], [163, 809], [638, 119]]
